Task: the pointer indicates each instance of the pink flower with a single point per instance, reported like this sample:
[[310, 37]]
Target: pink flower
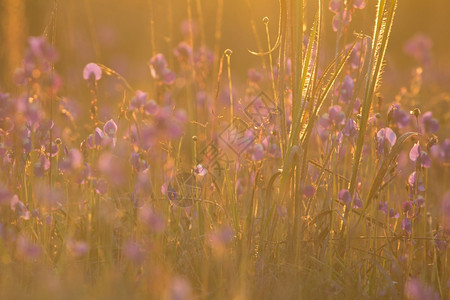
[[92, 70]]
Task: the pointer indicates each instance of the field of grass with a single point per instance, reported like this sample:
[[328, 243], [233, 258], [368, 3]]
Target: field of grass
[[306, 157]]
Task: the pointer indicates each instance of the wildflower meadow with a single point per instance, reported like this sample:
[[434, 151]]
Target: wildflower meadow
[[211, 149]]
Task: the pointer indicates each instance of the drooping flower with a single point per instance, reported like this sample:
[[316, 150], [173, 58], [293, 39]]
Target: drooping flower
[[92, 72]]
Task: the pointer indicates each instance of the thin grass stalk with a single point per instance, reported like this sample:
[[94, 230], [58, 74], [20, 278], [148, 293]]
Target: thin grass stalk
[[272, 78], [217, 38], [297, 9], [281, 80], [228, 53], [256, 35], [53, 39], [152, 27], [372, 79], [296, 102], [379, 45]]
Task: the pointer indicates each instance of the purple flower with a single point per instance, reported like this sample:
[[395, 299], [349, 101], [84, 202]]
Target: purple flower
[[98, 136], [407, 206], [200, 171], [356, 57], [421, 157], [398, 116], [26, 249], [160, 70], [92, 72], [101, 186], [336, 115], [254, 76], [345, 196], [414, 181], [258, 152], [341, 20], [347, 89], [430, 124], [335, 6], [138, 100], [416, 290], [419, 47], [40, 166], [151, 108], [357, 203], [350, 129], [383, 207], [20, 208], [393, 213], [183, 52], [77, 248], [440, 242], [110, 128], [187, 26], [309, 191], [40, 48], [324, 121], [446, 150], [222, 237], [420, 201], [359, 4], [133, 252], [446, 209], [152, 220], [407, 225], [72, 161], [180, 289], [386, 138]]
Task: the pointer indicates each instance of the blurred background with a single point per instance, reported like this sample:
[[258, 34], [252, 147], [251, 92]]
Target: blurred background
[[118, 34]]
